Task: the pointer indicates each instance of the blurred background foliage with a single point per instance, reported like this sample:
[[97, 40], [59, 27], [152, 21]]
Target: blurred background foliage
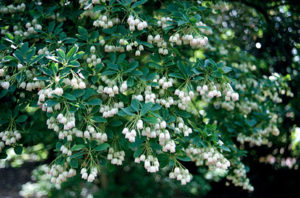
[[260, 34]]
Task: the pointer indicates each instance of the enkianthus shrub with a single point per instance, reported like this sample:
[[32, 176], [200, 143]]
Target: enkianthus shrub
[[102, 83]]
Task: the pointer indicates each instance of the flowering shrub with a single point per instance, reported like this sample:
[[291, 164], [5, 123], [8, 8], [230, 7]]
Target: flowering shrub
[[117, 82]]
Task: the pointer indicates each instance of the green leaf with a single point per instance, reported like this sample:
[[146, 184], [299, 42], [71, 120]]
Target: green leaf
[[99, 119], [22, 118], [77, 155], [138, 3], [69, 96], [135, 105], [51, 103], [145, 108], [94, 101], [83, 33], [18, 150], [163, 160], [138, 152], [127, 111], [72, 51], [74, 163], [225, 148], [226, 69], [184, 158], [77, 147], [151, 120], [61, 54], [102, 147], [78, 92]]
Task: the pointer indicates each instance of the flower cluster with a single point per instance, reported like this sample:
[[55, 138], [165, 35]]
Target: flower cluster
[[9, 138], [210, 92], [159, 41], [181, 174], [65, 150], [151, 163], [207, 156], [89, 177], [93, 58], [75, 83], [135, 23], [12, 9], [104, 22], [129, 134], [239, 177], [163, 22], [68, 121], [116, 157], [59, 174]]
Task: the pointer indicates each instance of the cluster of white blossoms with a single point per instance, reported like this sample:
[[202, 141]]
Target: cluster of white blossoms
[[2, 72], [68, 121], [181, 174], [30, 86], [163, 22], [159, 41], [65, 150], [129, 134], [129, 46], [12, 8], [9, 138], [135, 23], [115, 157], [149, 95], [5, 84], [75, 83], [239, 178], [230, 94], [104, 22], [260, 137], [93, 58], [206, 31], [207, 156], [194, 42], [165, 140], [151, 163], [181, 127], [47, 93], [59, 174], [44, 50], [89, 177], [113, 48], [163, 82], [91, 132], [209, 91], [185, 98], [112, 89], [32, 27], [153, 131], [110, 111]]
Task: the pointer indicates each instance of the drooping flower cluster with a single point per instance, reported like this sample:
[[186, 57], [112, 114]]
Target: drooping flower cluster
[[239, 177], [115, 157], [89, 177], [9, 138], [105, 22], [59, 174], [181, 174], [135, 23], [207, 156], [151, 163]]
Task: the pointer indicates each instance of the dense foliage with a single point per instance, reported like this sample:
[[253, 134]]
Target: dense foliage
[[109, 87]]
